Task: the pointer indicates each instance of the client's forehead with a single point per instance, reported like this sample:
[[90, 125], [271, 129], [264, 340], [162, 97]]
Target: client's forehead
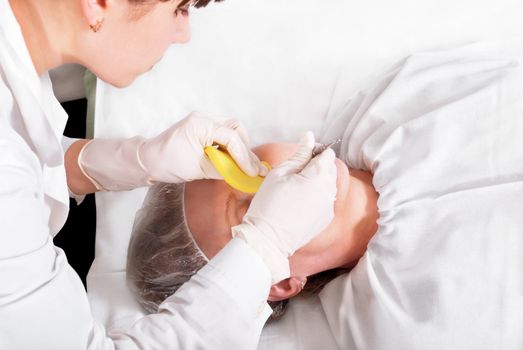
[[275, 153]]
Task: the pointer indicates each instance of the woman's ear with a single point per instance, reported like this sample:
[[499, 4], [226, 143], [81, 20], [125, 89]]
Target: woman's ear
[[287, 288], [93, 10]]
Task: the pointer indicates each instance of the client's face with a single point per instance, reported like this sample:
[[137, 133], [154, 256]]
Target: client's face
[[212, 207]]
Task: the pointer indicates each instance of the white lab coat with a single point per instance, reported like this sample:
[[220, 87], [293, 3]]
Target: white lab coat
[[43, 304]]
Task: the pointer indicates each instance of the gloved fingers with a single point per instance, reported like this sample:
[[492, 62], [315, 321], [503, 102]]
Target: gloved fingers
[[242, 132], [302, 156], [238, 149], [237, 125], [321, 165], [209, 171]]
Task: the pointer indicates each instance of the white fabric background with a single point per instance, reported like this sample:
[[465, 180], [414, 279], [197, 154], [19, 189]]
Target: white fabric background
[[281, 67], [442, 135]]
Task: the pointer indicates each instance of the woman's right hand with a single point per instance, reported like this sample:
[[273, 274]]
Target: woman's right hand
[[293, 205]]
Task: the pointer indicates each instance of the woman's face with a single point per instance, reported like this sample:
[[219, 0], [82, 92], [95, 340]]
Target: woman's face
[[134, 37], [212, 207]]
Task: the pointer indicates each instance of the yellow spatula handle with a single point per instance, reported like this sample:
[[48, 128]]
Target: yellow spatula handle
[[231, 172]]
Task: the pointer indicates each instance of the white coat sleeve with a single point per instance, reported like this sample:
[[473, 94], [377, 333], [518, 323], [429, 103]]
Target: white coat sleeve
[[43, 304], [222, 307]]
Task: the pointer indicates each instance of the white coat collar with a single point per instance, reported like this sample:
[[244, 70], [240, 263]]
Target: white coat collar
[[41, 114], [33, 94]]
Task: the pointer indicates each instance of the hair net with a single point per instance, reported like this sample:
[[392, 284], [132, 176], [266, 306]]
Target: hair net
[[162, 254]]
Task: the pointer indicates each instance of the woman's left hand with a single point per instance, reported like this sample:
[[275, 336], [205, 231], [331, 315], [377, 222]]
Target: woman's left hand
[[175, 155]]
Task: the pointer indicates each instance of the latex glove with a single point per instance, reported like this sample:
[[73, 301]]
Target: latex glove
[[176, 155], [293, 205]]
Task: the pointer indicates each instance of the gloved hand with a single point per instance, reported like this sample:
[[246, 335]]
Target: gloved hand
[[176, 155], [293, 205]]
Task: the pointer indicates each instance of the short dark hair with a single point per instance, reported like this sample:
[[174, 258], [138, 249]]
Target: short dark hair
[[196, 3]]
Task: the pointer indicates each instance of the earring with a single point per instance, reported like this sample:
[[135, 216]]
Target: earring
[[96, 27], [303, 281]]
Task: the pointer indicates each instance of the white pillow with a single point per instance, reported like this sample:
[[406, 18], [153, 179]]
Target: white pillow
[[281, 67]]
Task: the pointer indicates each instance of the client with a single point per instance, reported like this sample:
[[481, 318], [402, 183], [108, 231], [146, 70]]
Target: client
[[181, 226]]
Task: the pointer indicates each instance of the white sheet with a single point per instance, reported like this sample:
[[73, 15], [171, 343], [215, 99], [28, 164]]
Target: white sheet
[[442, 135], [293, 330], [280, 67]]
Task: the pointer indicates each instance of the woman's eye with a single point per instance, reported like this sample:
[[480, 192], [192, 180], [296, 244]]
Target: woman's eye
[[184, 11]]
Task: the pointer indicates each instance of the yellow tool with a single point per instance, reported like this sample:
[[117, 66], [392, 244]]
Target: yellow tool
[[231, 172]]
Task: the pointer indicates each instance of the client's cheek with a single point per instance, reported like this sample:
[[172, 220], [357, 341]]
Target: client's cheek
[[342, 186]]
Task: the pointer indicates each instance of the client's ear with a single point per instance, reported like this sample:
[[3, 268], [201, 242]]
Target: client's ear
[[287, 288]]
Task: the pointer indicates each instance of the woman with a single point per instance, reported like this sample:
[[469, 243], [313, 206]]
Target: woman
[[182, 226], [42, 301]]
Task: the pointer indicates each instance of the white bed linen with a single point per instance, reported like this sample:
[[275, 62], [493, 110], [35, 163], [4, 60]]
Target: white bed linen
[[443, 136], [293, 330], [281, 68]]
